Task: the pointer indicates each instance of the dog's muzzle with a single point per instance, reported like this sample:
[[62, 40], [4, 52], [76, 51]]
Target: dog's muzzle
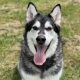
[[41, 39]]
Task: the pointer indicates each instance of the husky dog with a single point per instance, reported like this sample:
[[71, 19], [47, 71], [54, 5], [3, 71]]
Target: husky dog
[[41, 52]]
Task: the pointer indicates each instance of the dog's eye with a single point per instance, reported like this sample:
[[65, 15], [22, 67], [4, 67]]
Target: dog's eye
[[48, 29], [35, 28]]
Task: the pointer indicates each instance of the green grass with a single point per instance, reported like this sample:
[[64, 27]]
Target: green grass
[[12, 21]]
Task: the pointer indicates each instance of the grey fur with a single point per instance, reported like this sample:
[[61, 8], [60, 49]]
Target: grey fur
[[26, 62], [54, 63]]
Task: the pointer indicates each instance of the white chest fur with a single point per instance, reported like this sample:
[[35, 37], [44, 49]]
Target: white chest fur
[[37, 77]]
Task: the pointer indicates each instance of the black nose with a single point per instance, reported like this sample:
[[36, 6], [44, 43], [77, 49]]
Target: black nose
[[40, 39]]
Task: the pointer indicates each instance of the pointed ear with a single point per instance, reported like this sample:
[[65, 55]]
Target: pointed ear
[[56, 14], [31, 12]]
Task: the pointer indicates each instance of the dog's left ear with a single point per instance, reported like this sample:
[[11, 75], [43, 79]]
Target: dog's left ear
[[56, 14], [31, 12]]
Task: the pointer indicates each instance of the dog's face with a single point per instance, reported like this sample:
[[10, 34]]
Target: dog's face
[[42, 32]]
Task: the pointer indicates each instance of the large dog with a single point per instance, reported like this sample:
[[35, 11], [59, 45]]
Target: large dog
[[41, 53]]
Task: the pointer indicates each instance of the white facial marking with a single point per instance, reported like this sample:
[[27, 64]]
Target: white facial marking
[[31, 37], [51, 36], [52, 47], [37, 24], [47, 24], [30, 42]]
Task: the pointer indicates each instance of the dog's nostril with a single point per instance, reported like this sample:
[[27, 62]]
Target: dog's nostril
[[43, 39], [40, 39]]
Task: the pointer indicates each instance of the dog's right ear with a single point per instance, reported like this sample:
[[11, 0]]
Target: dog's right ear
[[31, 12], [56, 14]]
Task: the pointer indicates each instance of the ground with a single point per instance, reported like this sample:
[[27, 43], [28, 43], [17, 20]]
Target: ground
[[12, 21]]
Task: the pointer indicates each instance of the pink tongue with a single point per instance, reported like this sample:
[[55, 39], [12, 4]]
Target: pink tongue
[[40, 56]]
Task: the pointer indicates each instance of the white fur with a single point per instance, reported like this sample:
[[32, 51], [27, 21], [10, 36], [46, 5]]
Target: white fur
[[31, 12], [30, 41], [47, 24], [37, 24], [25, 76], [52, 48], [52, 37], [56, 14], [31, 37]]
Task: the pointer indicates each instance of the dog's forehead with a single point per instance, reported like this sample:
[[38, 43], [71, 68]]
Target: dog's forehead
[[48, 24], [37, 23], [43, 21]]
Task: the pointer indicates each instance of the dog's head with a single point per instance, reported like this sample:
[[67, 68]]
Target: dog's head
[[42, 32]]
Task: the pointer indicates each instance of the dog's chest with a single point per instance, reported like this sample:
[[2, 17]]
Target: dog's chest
[[38, 77]]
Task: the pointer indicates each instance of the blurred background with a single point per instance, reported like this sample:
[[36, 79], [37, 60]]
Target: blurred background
[[12, 22]]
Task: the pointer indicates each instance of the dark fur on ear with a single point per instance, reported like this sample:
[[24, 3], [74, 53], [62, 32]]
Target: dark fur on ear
[[31, 12], [31, 3], [55, 7], [56, 14]]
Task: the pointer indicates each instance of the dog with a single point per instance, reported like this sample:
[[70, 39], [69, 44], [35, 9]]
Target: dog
[[41, 55]]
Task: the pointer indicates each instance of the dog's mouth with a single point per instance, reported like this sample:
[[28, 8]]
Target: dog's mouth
[[40, 55]]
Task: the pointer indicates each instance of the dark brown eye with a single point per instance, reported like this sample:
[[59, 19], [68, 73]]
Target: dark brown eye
[[35, 28], [48, 29]]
